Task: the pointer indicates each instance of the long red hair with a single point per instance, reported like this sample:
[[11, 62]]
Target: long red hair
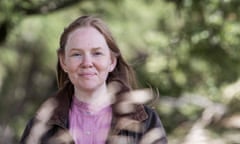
[[122, 73]]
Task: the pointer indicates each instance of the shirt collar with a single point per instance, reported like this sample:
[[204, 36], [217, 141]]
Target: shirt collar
[[63, 100]]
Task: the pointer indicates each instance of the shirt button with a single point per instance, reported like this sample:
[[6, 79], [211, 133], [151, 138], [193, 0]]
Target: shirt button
[[89, 113], [88, 132]]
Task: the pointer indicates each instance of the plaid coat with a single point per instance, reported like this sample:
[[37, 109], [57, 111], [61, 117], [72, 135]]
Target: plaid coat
[[50, 125]]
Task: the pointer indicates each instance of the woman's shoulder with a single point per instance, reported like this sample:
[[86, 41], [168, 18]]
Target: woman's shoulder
[[46, 109], [56, 105], [154, 127], [144, 112], [151, 111]]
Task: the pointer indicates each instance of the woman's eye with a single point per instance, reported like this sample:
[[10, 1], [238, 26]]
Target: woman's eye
[[98, 53], [76, 54]]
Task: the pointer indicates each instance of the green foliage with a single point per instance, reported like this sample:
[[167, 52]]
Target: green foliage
[[176, 46]]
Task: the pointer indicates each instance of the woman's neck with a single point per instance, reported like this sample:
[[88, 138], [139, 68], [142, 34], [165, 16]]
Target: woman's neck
[[97, 99]]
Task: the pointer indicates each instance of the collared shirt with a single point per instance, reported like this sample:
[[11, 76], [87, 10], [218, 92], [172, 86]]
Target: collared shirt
[[87, 127], [58, 125]]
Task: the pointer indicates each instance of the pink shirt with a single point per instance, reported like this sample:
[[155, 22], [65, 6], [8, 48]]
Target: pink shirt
[[86, 127]]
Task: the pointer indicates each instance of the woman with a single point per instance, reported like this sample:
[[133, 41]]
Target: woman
[[95, 103]]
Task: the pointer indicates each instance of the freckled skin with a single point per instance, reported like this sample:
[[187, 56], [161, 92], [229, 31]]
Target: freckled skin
[[87, 59]]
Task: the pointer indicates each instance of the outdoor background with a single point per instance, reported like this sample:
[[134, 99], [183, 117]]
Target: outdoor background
[[187, 50]]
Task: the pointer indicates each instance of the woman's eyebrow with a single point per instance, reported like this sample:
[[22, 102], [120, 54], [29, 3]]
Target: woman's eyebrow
[[80, 49], [75, 49], [97, 48]]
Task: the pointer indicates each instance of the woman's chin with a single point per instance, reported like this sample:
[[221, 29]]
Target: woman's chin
[[89, 87]]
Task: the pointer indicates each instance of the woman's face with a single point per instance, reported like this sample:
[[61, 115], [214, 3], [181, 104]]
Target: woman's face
[[87, 59]]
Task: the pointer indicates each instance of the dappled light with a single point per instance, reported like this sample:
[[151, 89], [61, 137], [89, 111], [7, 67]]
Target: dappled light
[[185, 54]]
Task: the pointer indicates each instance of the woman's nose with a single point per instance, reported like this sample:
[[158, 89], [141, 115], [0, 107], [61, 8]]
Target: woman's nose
[[87, 61]]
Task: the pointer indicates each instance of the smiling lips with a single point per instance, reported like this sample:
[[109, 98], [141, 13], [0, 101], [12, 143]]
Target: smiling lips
[[87, 75]]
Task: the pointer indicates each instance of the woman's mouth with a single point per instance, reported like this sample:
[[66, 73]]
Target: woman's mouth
[[87, 75]]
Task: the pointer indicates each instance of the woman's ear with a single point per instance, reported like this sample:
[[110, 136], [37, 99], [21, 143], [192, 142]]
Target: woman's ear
[[113, 63], [62, 62]]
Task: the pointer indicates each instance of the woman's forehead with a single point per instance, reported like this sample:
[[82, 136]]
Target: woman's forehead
[[86, 37]]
